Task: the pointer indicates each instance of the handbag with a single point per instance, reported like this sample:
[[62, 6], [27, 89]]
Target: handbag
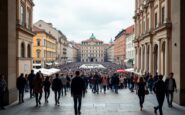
[[146, 92]]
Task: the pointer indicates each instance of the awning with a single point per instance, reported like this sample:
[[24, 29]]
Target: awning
[[48, 63], [56, 63], [36, 64]]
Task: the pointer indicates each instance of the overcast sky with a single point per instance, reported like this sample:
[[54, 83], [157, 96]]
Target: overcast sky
[[78, 19]]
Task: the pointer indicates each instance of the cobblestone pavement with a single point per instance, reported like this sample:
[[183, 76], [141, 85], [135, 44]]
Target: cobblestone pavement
[[124, 103]]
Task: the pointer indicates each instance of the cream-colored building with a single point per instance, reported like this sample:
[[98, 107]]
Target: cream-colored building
[[110, 53], [61, 56], [130, 50], [92, 50], [24, 36], [72, 52], [153, 41]]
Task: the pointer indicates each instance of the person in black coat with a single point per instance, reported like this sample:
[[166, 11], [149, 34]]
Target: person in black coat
[[21, 83], [170, 88], [141, 91], [56, 87], [159, 90], [31, 77], [47, 85], [77, 91]]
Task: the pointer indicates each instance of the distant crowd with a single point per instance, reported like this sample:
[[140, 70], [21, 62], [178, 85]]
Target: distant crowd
[[97, 80]]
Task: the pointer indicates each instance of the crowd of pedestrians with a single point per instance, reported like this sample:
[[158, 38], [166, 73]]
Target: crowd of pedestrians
[[78, 81]]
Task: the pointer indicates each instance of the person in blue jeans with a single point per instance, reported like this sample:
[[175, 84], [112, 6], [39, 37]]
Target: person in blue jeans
[[77, 91]]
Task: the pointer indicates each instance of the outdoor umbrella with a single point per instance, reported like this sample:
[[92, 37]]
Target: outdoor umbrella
[[120, 70]]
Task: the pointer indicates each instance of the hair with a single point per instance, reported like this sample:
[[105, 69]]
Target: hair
[[160, 77], [172, 73], [57, 74], [141, 79], [77, 73]]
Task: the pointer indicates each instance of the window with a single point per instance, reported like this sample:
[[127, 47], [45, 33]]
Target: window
[[38, 42], [38, 53], [22, 50], [28, 18], [163, 15], [156, 20], [29, 51], [22, 15]]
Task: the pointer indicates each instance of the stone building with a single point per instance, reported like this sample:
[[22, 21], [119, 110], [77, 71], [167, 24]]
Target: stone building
[[44, 49], [24, 36], [61, 56], [110, 52], [130, 50], [72, 52], [120, 45], [92, 50], [159, 40]]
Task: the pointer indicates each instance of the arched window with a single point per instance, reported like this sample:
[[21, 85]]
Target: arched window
[[29, 51], [22, 50]]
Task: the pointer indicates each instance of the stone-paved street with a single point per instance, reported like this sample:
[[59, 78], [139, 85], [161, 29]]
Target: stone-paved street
[[124, 103]]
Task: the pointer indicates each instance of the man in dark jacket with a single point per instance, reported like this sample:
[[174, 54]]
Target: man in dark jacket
[[56, 87], [21, 83], [159, 90], [170, 88], [77, 91], [31, 77]]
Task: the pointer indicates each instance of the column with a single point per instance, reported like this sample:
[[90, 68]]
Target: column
[[138, 61], [159, 58], [8, 47], [141, 64], [146, 59], [150, 59], [166, 58]]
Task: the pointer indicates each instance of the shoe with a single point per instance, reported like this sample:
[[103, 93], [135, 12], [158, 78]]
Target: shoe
[[155, 110]]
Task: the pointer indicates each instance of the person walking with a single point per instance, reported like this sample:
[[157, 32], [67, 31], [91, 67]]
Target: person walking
[[64, 83], [170, 88], [57, 87], [37, 88], [150, 83], [104, 83], [31, 77], [159, 90], [3, 86], [77, 91], [141, 91], [47, 85], [21, 84]]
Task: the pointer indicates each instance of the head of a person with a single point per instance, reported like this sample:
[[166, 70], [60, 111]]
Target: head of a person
[[77, 73], [57, 75], [38, 75], [22, 75], [47, 78], [160, 77], [171, 75], [32, 71], [141, 79]]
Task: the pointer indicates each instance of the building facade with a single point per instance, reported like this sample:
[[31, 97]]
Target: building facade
[[120, 45], [72, 53], [153, 41], [92, 50], [130, 50], [110, 53], [59, 36], [24, 36], [44, 49]]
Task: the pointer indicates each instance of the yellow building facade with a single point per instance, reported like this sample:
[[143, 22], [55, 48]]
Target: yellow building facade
[[44, 49]]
